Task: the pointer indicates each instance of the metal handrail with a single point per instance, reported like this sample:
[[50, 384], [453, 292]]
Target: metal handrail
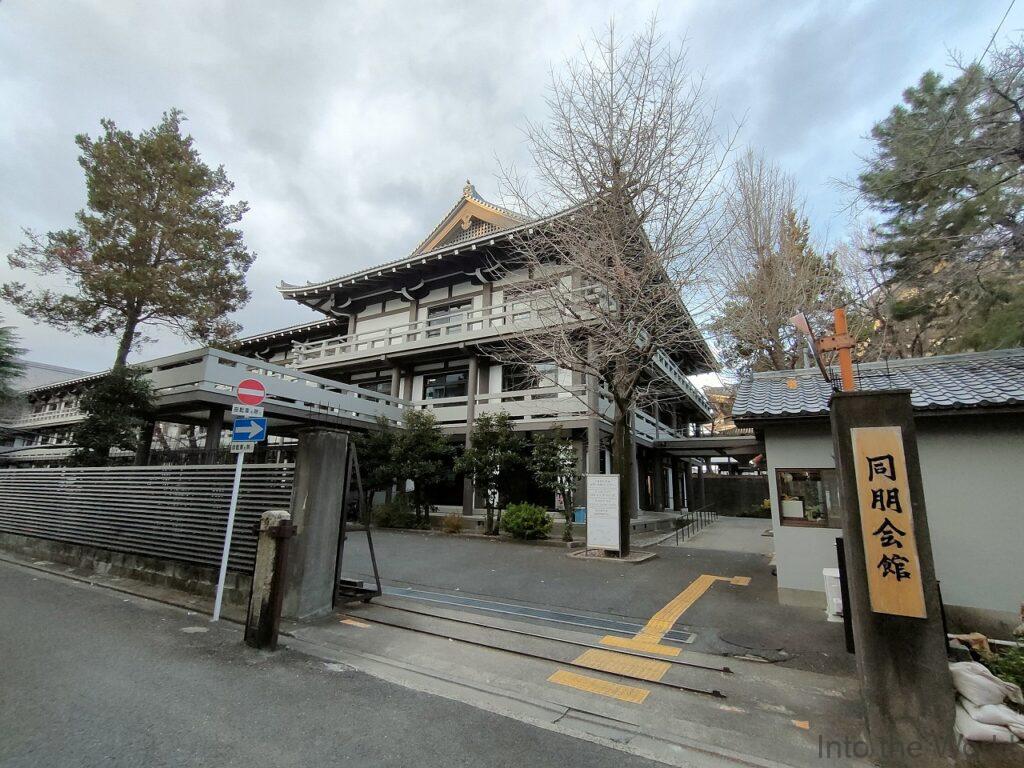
[[694, 521]]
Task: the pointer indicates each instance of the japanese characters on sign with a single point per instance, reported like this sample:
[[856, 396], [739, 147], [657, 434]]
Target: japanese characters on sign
[[887, 522]]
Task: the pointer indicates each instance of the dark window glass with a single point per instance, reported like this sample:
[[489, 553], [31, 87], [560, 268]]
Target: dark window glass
[[383, 386], [448, 384], [446, 315]]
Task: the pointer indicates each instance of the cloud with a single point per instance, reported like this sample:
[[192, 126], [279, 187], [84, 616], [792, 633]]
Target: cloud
[[350, 128]]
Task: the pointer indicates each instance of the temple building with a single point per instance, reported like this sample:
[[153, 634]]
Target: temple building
[[424, 331]]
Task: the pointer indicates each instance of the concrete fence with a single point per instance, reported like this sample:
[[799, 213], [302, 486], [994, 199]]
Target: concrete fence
[[175, 513]]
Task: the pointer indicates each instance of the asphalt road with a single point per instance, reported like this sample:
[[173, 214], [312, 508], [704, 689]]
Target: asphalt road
[[91, 677], [729, 620]]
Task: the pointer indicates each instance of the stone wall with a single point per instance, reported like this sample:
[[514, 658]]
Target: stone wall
[[195, 579]]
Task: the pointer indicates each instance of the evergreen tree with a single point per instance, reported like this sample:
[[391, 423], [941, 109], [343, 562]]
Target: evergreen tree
[[421, 454], [156, 244], [10, 368], [495, 452], [555, 467], [947, 174], [117, 407], [376, 463]]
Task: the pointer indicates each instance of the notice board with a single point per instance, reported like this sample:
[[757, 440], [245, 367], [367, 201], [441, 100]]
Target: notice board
[[603, 512]]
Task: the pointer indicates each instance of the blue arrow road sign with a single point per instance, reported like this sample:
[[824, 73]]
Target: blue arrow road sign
[[249, 430]]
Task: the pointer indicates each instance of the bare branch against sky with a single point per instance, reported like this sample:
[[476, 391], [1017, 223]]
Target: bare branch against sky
[[350, 128]]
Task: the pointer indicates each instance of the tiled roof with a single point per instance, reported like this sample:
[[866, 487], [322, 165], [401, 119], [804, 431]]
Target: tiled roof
[[944, 382]]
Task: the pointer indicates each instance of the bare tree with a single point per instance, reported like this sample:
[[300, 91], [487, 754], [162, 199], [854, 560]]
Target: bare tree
[[768, 269], [624, 188], [882, 331]]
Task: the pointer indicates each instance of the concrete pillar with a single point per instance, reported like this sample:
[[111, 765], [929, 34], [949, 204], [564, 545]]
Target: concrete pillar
[[471, 391], [145, 443], [407, 387], [691, 503], [414, 315], [316, 514], [396, 380], [678, 481], [670, 484], [214, 426], [658, 470], [901, 655], [701, 498]]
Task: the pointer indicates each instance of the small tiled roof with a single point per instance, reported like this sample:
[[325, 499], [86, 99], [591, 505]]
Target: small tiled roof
[[944, 382]]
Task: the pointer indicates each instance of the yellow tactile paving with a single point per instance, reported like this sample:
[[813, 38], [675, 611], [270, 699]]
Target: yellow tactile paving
[[632, 644], [621, 664], [589, 684], [661, 622], [647, 640]]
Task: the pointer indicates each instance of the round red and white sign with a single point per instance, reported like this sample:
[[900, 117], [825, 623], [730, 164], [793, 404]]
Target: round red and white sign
[[251, 392]]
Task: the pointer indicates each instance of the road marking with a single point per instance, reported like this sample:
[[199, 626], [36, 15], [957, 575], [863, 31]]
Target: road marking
[[589, 684], [632, 644], [647, 640], [621, 664], [662, 622], [355, 623]]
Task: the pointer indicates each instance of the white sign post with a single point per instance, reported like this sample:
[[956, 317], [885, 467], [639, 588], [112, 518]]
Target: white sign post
[[243, 440], [603, 512]]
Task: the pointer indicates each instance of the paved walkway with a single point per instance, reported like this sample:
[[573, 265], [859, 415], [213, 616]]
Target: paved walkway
[[732, 534], [728, 618]]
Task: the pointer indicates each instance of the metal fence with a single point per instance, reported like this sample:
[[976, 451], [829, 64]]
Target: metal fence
[[171, 512]]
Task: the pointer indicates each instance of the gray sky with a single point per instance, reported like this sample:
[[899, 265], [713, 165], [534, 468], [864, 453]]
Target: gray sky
[[351, 127]]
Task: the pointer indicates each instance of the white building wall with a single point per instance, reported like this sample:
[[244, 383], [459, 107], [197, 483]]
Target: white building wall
[[974, 491], [800, 553]]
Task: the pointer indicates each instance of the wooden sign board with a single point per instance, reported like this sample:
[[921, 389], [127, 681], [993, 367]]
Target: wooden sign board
[[603, 512], [887, 522]]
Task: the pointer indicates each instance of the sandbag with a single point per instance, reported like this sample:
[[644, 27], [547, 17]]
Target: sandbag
[[972, 730], [995, 714], [975, 683]]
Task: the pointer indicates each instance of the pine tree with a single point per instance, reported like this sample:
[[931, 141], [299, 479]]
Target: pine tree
[[155, 245]]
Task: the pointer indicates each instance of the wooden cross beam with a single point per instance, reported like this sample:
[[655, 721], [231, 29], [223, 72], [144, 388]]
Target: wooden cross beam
[[841, 342]]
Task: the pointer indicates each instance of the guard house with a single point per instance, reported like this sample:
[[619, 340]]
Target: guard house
[[422, 332], [969, 418]]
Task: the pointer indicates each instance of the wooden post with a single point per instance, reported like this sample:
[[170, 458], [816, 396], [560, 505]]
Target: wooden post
[[894, 600], [265, 600]]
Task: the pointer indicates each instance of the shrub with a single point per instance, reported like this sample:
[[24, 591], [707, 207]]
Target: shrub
[[394, 514], [452, 523], [527, 521], [1008, 665]]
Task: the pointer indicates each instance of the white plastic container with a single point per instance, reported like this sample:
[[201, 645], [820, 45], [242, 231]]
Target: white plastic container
[[833, 594]]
